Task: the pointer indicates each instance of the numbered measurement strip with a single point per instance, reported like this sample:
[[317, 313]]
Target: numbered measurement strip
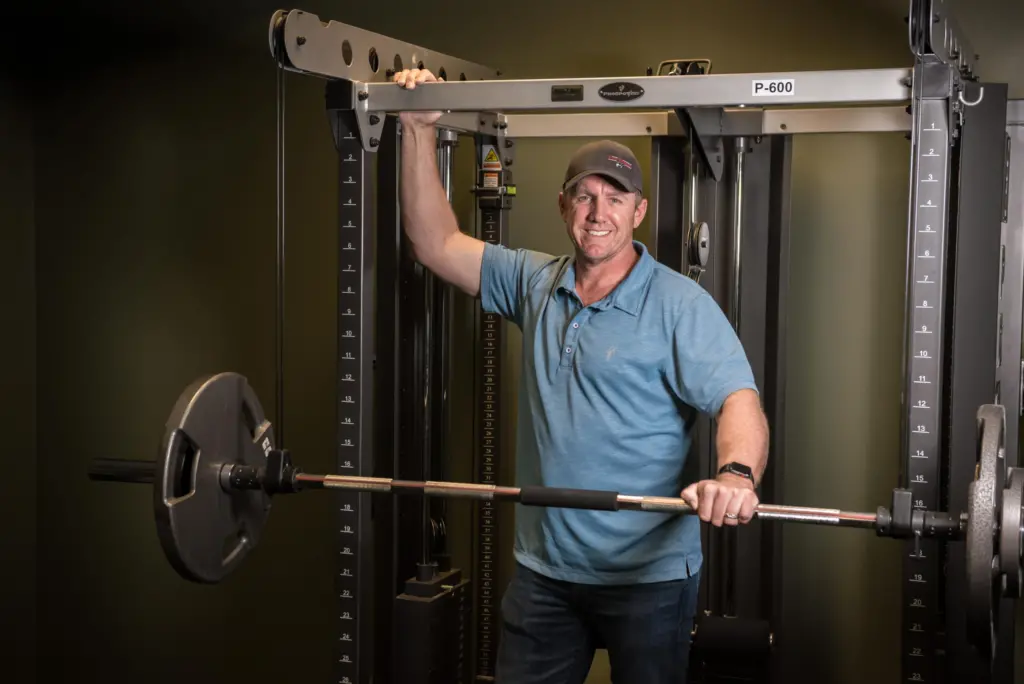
[[353, 349], [489, 431], [928, 221]]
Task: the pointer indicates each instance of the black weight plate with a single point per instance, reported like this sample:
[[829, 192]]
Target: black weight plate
[[206, 529], [1010, 534], [984, 502]]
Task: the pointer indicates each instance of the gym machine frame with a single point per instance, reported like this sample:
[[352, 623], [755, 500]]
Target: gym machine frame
[[710, 136], [719, 152]]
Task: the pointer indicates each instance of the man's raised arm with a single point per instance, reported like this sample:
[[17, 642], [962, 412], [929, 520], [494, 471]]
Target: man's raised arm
[[427, 217]]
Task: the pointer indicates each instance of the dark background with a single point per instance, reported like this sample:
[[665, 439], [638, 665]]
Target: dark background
[[137, 171]]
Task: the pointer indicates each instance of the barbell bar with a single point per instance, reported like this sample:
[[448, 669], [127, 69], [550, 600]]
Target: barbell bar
[[281, 477], [218, 470]]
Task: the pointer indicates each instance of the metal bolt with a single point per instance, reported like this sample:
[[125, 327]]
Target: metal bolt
[[503, 125], [300, 40], [363, 94], [374, 142], [509, 143], [508, 161], [374, 119]]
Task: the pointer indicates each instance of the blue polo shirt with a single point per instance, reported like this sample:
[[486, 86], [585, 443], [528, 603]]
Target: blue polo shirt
[[607, 398]]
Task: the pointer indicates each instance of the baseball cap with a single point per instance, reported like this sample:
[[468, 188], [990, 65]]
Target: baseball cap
[[605, 158]]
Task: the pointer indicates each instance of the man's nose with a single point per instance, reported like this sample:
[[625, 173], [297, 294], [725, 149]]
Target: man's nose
[[598, 209]]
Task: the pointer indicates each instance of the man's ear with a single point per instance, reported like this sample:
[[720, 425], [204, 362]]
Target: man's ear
[[639, 212]]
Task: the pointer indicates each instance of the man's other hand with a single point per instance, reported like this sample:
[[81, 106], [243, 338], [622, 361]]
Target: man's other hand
[[409, 79]]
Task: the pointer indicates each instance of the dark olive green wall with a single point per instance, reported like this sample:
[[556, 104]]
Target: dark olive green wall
[[155, 210], [154, 224], [18, 398]]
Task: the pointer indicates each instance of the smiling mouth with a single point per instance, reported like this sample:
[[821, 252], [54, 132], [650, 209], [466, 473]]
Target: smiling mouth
[[598, 233]]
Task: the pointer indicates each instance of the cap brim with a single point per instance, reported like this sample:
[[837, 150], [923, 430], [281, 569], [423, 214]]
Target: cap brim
[[618, 179]]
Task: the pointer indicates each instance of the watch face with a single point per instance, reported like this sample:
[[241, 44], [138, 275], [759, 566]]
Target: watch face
[[736, 469]]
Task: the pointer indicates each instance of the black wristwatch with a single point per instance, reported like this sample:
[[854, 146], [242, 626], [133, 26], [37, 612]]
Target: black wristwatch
[[737, 469]]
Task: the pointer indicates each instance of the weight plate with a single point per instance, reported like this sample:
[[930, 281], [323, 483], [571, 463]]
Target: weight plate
[[205, 529], [984, 502], [1010, 534]]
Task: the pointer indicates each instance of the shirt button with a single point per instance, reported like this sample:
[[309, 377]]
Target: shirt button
[[575, 325], [568, 349]]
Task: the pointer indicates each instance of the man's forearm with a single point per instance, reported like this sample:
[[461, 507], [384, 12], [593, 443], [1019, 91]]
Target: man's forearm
[[426, 214], [742, 433]]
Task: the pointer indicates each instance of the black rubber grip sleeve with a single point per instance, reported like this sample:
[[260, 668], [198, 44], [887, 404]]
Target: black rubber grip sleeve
[[554, 497]]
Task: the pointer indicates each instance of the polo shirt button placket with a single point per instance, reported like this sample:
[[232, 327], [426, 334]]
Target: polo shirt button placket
[[570, 340]]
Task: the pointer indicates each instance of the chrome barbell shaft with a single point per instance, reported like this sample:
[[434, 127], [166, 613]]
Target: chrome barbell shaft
[[627, 502]]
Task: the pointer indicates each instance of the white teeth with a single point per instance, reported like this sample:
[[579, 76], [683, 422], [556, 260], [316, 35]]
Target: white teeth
[[598, 233]]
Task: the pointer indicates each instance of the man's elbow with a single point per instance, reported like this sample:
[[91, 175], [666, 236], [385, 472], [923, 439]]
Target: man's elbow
[[427, 252]]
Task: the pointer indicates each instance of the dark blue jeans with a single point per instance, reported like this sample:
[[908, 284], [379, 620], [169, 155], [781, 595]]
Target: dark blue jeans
[[550, 630]]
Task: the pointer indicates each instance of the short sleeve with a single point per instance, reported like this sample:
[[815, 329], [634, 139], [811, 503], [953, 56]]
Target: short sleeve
[[709, 360], [505, 278]]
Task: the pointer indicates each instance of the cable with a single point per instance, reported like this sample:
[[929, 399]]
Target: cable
[[279, 327]]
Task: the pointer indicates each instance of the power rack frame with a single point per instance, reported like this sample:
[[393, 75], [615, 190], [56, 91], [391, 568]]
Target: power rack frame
[[720, 166]]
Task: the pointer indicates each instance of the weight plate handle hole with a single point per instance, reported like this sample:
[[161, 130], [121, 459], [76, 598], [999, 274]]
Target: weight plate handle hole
[[183, 454]]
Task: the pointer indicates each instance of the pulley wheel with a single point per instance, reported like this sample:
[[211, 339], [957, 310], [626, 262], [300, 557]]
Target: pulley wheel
[[1010, 541], [207, 529], [700, 244], [984, 501], [275, 36]]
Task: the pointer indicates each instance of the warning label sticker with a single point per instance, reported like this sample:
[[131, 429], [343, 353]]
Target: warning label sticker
[[491, 160], [490, 180]]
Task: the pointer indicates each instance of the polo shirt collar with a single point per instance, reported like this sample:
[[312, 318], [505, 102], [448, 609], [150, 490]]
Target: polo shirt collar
[[627, 295]]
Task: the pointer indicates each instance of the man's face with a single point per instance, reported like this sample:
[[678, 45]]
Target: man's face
[[600, 218]]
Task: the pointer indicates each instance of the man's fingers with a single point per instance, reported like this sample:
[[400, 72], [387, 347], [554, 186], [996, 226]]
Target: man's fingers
[[720, 505], [746, 512], [689, 495], [409, 78], [723, 497], [734, 511], [708, 494]]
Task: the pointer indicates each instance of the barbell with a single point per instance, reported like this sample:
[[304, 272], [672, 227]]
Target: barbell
[[218, 470]]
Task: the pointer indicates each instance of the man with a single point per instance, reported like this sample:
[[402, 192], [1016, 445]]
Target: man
[[619, 354]]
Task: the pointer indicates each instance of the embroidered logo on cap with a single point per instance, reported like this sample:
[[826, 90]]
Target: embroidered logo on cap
[[619, 161]]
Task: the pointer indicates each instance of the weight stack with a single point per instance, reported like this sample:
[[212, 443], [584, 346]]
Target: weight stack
[[728, 650], [431, 626]]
